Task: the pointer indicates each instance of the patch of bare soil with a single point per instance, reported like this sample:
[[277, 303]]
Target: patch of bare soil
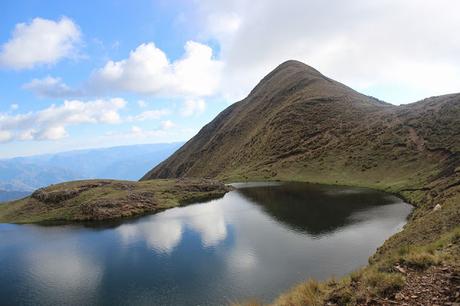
[[439, 285]]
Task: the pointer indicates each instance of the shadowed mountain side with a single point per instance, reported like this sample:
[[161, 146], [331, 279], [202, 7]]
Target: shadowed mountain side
[[305, 207]]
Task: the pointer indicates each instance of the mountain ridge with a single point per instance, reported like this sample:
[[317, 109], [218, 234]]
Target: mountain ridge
[[284, 100]]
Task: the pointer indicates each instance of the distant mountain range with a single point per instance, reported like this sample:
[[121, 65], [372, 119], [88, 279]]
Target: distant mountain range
[[20, 176]]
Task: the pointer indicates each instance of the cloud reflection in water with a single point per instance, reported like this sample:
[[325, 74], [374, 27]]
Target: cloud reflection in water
[[163, 231]]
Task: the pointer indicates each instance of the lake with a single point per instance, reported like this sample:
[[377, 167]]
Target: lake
[[255, 242]]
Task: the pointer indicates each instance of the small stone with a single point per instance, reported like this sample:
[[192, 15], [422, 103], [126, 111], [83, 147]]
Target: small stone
[[413, 296], [400, 269], [437, 207], [399, 296]]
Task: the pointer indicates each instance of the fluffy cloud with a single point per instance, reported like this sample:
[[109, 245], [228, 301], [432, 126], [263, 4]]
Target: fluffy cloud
[[51, 123], [42, 41], [50, 87], [147, 70], [193, 107], [375, 46]]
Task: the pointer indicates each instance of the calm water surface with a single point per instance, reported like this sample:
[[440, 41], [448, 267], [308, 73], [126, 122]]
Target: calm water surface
[[256, 241]]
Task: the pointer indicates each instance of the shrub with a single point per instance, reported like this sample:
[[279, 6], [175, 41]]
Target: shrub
[[421, 261], [383, 283]]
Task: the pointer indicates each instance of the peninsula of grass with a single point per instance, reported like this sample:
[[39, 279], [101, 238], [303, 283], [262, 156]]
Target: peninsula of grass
[[97, 200]]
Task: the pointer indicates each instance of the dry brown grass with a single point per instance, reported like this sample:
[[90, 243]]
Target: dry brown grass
[[310, 293]]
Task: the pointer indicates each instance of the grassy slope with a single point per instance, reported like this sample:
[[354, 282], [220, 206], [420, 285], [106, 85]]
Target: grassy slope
[[93, 200], [298, 125]]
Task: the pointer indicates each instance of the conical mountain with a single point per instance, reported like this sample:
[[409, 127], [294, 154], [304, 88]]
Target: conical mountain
[[297, 124]]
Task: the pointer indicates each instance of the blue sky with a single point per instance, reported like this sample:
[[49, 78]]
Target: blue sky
[[80, 74]]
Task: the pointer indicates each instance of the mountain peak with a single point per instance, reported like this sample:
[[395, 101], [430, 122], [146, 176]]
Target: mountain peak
[[296, 66], [294, 63], [293, 75]]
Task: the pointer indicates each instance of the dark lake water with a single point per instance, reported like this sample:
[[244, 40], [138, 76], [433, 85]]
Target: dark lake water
[[255, 242]]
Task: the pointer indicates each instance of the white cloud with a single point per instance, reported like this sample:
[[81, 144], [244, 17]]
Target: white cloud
[[409, 46], [14, 106], [50, 87], [193, 107], [42, 41], [147, 70], [166, 125], [150, 115], [51, 123]]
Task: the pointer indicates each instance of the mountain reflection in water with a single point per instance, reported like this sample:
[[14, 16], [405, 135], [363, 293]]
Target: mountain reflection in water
[[315, 209]]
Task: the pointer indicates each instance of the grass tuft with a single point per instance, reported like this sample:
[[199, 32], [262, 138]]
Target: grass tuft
[[309, 293], [420, 261], [383, 283]]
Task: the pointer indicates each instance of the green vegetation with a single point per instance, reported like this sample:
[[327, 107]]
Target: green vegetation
[[95, 200]]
